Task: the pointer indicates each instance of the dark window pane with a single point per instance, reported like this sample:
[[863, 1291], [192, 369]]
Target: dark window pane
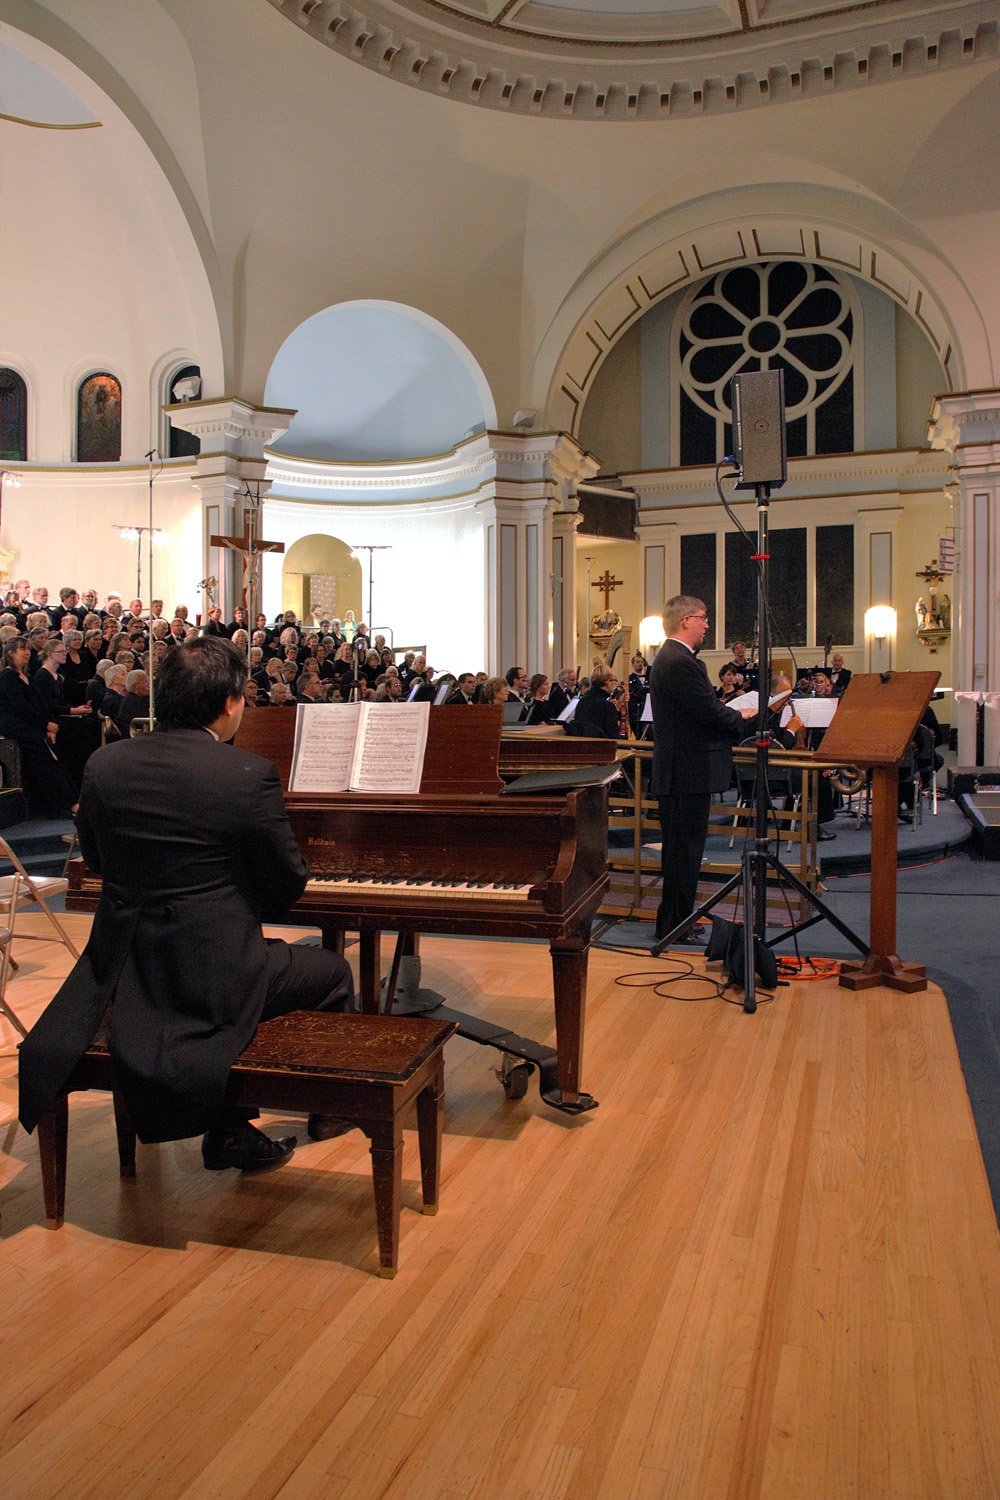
[[787, 586], [13, 416], [741, 590], [835, 584], [786, 589], [835, 419], [698, 575], [99, 420], [181, 444], [697, 433]]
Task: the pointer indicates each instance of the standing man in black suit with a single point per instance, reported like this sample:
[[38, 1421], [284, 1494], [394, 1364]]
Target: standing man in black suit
[[840, 675], [693, 736], [191, 838]]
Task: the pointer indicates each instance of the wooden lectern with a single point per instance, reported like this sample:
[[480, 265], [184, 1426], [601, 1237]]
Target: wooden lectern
[[876, 720]]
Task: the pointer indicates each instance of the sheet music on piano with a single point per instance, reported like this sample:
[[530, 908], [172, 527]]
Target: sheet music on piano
[[359, 747]]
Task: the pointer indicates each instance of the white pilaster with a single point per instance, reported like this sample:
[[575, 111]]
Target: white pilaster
[[233, 435], [966, 425], [530, 550]]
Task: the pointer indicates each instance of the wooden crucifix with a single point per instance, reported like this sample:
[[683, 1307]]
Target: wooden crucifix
[[250, 548], [607, 583]]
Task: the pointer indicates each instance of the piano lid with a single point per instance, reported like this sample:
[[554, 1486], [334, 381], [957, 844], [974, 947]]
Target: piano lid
[[460, 759]]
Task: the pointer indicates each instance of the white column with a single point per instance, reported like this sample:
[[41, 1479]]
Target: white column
[[233, 436], [529, 519], [967, 426]]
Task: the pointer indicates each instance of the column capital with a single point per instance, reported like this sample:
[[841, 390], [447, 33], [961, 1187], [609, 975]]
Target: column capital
[[966, 424], [230, 425]]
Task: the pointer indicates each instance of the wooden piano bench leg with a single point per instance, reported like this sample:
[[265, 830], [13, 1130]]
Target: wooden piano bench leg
[[430, 1128], [126, 1136], [53, 1129], [387, 1178]]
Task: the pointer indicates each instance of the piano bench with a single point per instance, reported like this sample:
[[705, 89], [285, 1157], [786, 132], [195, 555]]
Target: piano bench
[[368, 1069]]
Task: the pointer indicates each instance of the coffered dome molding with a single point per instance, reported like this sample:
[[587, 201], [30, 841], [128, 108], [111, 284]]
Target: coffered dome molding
[[647, 59], [637, 273]]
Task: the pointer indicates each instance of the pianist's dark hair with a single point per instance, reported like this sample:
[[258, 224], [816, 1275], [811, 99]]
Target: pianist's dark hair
[[194, 682]]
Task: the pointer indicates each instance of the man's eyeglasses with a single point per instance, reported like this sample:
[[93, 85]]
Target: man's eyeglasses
[[696, 617]]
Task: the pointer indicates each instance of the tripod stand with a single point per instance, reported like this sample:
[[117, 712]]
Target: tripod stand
[[757, 858]]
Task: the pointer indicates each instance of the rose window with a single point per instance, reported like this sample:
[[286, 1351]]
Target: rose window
[[777, 315]]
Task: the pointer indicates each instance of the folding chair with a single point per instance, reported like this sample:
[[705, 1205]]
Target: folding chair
[[21, 889], [5, 1009]]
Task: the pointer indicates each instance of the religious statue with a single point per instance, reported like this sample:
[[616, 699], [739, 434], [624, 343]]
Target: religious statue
[[921, 613], [945, 611], [604, 623], [349, 626]]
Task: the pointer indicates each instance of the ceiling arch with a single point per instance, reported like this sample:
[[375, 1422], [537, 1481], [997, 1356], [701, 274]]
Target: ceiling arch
[[647, 59], [646, 267]]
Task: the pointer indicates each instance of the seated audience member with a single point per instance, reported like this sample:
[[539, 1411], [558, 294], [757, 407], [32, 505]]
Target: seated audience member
[[68, 601], [464, 688], [595, 713], [289, 671], [238, 622], [135, 704], [250, 693], [281, 695], [188, 992], [267, 675], [241, 641], [540, 711], [89, 601], [213, 625], [155, 609], [180, 613], [159, 629], [24, 719]]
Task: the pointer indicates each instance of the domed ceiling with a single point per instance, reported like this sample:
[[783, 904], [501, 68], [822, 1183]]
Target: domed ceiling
[[647, 59]]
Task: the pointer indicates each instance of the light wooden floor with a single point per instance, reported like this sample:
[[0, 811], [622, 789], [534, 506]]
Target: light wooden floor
[[767, 1265]]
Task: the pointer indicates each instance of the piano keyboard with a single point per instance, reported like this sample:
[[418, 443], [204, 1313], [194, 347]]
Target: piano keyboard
[[363, 885]]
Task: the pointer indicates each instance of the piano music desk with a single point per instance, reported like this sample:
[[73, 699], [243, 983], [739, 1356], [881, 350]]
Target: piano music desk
[[369, 1069]]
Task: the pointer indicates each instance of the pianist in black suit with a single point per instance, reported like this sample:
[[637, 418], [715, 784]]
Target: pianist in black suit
[[191, 839], [693, 736]]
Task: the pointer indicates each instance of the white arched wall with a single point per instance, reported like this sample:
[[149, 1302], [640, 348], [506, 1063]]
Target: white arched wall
[[430, 583], [658, 258]]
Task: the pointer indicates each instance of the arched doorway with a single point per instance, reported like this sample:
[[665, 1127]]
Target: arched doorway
[[321, 574]]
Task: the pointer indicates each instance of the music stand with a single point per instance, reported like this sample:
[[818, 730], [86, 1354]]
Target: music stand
[[877, 719]]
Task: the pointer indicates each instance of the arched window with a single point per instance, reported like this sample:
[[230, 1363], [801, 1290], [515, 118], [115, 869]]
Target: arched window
[[99, 420], [13, 416], [786, 315], [185, 385]]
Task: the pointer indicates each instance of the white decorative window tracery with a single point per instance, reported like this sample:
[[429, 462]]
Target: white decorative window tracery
[[787, 315]]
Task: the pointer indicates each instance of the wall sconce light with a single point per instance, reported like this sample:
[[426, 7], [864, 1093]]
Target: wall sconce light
[[880, 622], [651, 635]]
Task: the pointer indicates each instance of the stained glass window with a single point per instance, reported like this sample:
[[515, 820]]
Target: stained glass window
[[13, 416], [99, 420]]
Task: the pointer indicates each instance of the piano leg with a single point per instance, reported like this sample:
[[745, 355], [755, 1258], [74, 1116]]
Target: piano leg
[[333, 939], [370, 972], [569, 983]]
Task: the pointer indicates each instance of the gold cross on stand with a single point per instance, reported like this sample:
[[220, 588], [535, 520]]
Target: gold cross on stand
[[250, 549], [607, 583]]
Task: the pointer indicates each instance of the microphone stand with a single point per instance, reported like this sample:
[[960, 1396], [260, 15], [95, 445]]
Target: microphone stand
[[757, 858]]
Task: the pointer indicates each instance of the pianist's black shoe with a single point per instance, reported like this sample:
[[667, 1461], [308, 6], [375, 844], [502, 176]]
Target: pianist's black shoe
[[245, 1147]]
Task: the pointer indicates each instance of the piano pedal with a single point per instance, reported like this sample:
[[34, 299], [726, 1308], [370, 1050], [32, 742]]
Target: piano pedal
[[409, 999]]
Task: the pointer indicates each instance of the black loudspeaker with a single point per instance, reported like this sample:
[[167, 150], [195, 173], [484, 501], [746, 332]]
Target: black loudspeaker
[[758, 405]]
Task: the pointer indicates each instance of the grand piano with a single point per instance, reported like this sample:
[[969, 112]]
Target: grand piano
[[461, 856]]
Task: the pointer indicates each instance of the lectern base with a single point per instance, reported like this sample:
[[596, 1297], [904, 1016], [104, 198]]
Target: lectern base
[[886, 969]]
